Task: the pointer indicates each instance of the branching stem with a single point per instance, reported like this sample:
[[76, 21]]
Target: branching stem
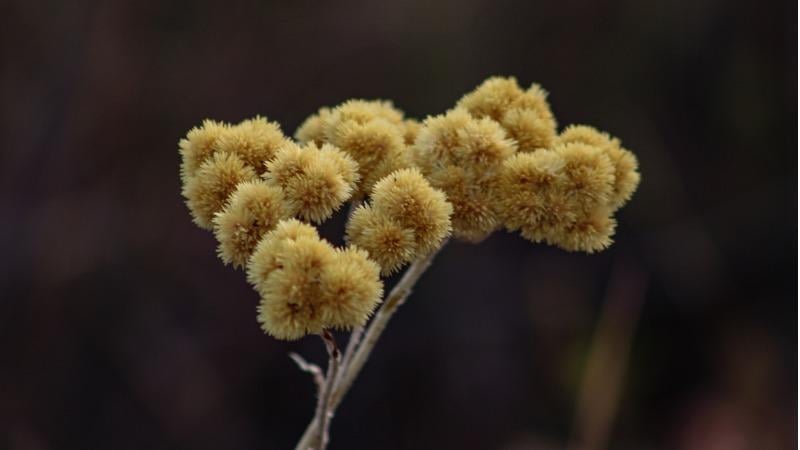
[[356, 355]]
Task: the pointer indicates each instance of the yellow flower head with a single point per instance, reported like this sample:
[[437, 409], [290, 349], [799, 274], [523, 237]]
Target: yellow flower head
[[462, 156], [373, 133], [525, 114], [626, 175], [306, 285], [492, 98], [207, 191], [350, 289], [360, 112], [198, 145], [290, 295], [407, 218], [408, 198], [590, 232], [269, 250], [377, 146], [313, 128], [253, 209], [559, 196], [315, 182], [386, 241], [589, 176], [255, 141], [530, 191]]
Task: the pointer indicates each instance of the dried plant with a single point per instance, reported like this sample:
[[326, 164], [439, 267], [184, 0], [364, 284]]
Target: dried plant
[[496, 160]]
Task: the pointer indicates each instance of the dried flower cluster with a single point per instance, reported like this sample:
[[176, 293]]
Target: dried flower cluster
[[500, 160], [248, 183], [496, 160]]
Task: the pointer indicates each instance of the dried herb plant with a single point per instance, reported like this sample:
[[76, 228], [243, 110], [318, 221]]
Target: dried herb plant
[[496, 160]]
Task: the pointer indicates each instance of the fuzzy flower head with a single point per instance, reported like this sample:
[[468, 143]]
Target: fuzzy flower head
[[313, 128], [207, 191], [374, 134], [525, 114], [590, 232], [199, 144], [462, 156], [253, 209], [350, 289], [559, 196], [360, 112], [269, 251], [626, 175], [315, 181], [388, 243], [306, 285], [290, 304], [255, 141], [407, 218]]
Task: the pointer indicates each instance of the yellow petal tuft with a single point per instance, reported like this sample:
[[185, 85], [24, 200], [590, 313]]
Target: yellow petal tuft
[[270, 249], [462, 156], [315, 182], [306, 285], [254, 209], [313, 128], [199, 144], [387, 242], [255, 141], [207, 191], [525, 115], [626, 174], [350, 289]]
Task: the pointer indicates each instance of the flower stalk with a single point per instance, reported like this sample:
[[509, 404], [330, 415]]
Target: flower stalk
[[350, 368]]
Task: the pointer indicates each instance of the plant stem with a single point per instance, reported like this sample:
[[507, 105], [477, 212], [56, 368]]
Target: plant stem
[[317, 439], [356, 355], [352, 345], [396, 297]]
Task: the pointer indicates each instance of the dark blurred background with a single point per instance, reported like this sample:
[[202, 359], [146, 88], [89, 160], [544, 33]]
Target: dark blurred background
[[120, 329]]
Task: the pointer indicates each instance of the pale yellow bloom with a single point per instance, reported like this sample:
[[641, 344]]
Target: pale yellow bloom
[[350, 289], [377, 146], [626, 175], [290, 295], [315, 182], [207, 191], [559, 196], [306, 285], [313, 128], [406, 218], [254, 209], [374, 134], [198, 145], [360, 112], [525, 114], [269, 250], [387, 242], [255, 141], [462, 156]]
